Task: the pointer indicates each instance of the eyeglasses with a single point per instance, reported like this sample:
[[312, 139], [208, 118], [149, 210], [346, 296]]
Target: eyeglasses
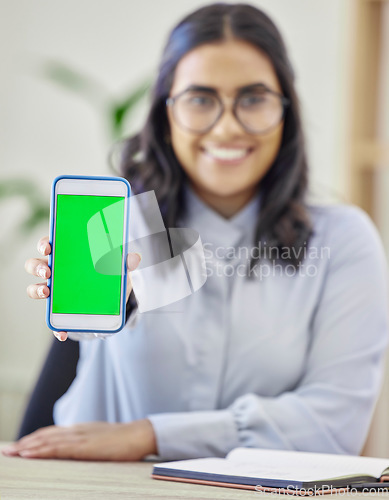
[[257, 108]]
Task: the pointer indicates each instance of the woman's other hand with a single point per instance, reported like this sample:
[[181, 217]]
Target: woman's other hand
[[39, 267], [89, 441]]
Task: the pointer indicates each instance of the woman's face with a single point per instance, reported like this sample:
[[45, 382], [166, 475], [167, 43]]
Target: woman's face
[[226, 163]]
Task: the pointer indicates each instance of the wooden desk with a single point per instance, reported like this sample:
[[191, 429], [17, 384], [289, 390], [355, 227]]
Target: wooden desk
[[31, 479]]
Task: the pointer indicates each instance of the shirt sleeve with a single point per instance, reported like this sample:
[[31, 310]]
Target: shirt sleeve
[[331, 408]]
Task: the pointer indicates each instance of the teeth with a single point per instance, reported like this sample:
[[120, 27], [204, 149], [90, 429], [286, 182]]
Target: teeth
[[227, 154]]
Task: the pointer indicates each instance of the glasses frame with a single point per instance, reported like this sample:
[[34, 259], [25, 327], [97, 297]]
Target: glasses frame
[[285, 102]]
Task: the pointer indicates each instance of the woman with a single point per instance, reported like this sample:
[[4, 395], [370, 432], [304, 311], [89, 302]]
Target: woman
[[288, 354]]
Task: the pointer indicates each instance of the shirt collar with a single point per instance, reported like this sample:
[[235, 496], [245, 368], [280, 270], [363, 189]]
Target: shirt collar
[[216, 229]]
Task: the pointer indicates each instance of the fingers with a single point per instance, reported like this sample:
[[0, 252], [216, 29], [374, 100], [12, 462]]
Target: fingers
[[61, 336], [38, 267], [23, 443], [38, 291], [64, 449], [49, 442], [43, 451], [44, 246], [10, 451], [89, 441], [73, 442], [133, 260]]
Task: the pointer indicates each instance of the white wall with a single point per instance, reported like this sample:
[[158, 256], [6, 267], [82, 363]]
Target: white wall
[[45, 131], [382, 201]]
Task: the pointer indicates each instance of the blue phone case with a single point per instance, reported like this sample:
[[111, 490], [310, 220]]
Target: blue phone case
[[51, 237]]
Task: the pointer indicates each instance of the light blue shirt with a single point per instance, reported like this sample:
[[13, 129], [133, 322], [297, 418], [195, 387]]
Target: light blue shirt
[[284, 360]]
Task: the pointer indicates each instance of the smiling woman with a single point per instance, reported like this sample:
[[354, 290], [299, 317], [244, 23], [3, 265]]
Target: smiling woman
[[276, 356], [226, 152], [228, 54]]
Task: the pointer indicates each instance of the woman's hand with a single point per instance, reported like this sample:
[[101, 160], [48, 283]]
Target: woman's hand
[[90, 441], [40, 268]]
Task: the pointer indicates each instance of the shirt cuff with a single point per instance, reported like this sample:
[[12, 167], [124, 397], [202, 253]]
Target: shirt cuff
[[194, 434]]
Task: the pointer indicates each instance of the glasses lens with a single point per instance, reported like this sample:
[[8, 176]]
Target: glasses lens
[[196, 110], [259, 110]]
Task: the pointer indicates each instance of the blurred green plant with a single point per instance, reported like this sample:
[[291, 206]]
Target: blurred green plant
[[115, 112]]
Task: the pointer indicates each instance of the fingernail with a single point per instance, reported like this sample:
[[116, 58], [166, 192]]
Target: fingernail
[[42, 272], [60, 336], [42, 249], [41, 292]]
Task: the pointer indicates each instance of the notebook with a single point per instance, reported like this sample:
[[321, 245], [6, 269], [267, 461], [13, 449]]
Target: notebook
[[291, 472]]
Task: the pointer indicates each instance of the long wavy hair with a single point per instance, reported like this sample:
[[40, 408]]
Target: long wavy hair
[[149, 162]]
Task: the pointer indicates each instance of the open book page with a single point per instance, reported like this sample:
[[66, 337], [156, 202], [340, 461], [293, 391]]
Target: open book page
[[301, 466], [280, 465]]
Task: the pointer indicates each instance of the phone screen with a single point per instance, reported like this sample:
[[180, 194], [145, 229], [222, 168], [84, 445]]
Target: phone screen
[[78, 288]]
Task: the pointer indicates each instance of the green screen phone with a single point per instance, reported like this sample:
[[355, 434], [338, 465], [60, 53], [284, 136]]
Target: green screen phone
[[89, 219]]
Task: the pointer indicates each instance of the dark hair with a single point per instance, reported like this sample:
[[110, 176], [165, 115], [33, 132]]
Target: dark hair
[[283, 222]]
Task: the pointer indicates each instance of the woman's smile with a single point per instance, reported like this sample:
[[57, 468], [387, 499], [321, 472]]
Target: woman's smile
[[227, 155]]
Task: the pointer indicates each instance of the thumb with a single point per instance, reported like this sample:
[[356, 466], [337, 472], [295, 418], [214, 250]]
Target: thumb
[[133, 260]]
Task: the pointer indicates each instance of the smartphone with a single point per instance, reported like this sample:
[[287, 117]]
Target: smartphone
[[88, 236]]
